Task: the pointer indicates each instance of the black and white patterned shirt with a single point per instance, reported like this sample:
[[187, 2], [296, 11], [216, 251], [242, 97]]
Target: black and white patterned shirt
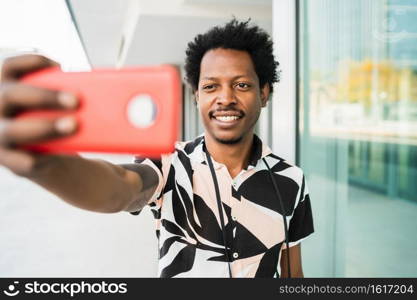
[[187, 217]]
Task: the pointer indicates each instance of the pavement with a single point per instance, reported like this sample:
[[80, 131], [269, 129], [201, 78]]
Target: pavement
[[42, 236]]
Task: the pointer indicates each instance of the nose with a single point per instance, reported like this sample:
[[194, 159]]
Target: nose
[[226, 96]]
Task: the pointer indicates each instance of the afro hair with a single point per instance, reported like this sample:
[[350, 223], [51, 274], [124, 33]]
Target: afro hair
[[234, 35]]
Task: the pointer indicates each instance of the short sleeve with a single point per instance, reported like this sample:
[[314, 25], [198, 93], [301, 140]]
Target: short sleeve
[[156, 164], [301, 223]]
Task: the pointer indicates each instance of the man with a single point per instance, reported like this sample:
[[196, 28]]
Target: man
[[219, 200]]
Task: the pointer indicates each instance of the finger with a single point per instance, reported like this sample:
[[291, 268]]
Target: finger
[[15, 67], [32, 131], [15, 97]]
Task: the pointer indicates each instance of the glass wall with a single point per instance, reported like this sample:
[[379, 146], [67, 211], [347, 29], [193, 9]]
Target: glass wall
[[357, 139]]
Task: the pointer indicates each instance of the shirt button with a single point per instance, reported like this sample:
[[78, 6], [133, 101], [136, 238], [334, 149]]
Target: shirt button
[[234, 218], [235, 255]]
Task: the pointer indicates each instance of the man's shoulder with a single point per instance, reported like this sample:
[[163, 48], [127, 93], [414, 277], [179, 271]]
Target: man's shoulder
[[188, 146], [183, 149], [283, 167]]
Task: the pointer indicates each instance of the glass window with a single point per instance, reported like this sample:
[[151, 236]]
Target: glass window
[[358, 133]]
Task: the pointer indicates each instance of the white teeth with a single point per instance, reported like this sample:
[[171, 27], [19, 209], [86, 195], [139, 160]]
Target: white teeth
[[227, 118]]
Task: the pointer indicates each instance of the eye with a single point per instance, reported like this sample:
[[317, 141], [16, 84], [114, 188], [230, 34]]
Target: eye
[[208, 87], [243, 86]]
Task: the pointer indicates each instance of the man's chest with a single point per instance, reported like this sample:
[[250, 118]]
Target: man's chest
[[251, 212]]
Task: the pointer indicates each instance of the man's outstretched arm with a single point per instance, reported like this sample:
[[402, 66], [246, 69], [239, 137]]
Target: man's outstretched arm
[[96, 185], [89, 184]]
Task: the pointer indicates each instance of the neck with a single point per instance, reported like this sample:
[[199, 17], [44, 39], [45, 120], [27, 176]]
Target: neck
[[235, 156]]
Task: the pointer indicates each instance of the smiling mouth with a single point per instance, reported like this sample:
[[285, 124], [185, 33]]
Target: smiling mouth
[[226, 118]]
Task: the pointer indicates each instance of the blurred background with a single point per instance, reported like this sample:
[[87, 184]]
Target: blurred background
[[345, 111]]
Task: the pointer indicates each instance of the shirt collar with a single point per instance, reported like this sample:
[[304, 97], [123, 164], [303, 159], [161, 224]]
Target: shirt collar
[[259, 150]]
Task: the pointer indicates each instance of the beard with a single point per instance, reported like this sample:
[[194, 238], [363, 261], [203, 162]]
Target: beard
[[235, 140], [231, 141]]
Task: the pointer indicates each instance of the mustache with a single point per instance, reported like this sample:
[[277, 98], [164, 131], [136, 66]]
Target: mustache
[[225, 109]]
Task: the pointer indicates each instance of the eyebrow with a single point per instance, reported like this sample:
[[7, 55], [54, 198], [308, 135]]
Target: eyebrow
[[234, 78]]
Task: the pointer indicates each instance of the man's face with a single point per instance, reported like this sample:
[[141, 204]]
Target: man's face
[[229, 96]]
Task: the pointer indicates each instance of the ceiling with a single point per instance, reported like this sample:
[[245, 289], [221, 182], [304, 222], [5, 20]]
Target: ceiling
[[138, 32]]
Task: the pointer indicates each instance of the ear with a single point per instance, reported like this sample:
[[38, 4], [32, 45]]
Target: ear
[[265, 90], [196, 97]]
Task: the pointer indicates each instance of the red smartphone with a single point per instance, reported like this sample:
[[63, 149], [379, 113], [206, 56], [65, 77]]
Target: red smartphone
[[131, 110]]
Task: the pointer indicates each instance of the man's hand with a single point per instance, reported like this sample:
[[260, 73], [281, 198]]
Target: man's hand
[[16, 97], [295, 261], [89, 184]]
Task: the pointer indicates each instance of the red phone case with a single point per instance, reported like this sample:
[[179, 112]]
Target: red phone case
[[107, 106]]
